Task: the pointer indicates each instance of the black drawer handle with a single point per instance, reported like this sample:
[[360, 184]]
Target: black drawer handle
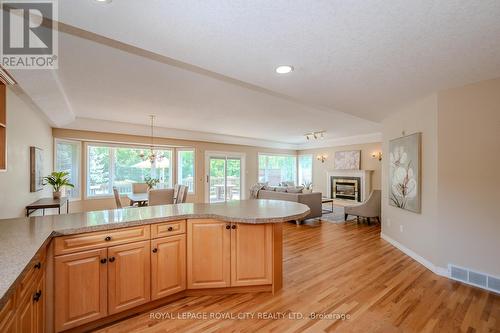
[[155, 250], [37, 295], [103, 261], [107, 239], [233, 226], [228, 226], [38, 265], [170, 228], [111, 259]]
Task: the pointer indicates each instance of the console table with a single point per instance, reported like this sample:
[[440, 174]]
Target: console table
[[47, 203]]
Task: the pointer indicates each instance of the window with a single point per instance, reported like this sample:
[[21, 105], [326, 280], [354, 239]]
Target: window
[[67, 159], [305, 169], [275, 169], [185, 168], [112, 166]]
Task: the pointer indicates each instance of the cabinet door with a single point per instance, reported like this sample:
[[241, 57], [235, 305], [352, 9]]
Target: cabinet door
[[128, 276], [26, 313], [39, 304], [8, 318], [251, 254], [168, 266], [208, 254], [9, 325], [80, 281]]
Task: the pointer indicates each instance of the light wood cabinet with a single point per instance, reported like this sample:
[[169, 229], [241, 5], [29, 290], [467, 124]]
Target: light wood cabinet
[[222, 254], [39, 305], [31, 309], [7, 316], [168, 266], [251, 254], [128, 276], [100, 239], [80, 281], [3, 128], [9, 325], [26, 314], [168, 229], [208, 254]]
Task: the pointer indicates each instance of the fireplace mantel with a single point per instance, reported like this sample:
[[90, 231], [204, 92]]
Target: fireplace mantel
[[365, 175]]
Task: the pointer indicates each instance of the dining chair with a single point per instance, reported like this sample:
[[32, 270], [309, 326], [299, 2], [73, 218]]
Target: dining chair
[[181, 195], [161, 197], [117, 198], [176, 191], [139, 188]]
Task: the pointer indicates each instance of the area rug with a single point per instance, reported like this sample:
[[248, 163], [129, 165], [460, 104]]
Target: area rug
[[337, 216]]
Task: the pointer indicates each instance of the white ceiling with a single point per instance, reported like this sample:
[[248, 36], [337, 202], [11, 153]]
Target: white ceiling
[[208, 66]]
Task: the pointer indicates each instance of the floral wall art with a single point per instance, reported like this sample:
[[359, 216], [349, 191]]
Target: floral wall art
[[404, 174], [347, 160]]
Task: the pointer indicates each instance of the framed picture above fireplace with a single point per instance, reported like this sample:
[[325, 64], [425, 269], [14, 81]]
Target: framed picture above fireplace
[[347, 160], [405, 172]]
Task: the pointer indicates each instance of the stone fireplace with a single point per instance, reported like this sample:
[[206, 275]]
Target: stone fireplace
[[354, 185]]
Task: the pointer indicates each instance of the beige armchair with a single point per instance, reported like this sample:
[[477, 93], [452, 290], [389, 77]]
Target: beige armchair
[[369, 209], [161, 197]]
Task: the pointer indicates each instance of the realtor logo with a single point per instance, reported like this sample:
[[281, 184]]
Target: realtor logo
[[29, 35]]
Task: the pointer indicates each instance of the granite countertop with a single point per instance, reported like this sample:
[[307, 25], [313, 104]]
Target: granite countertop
[[21, 238]]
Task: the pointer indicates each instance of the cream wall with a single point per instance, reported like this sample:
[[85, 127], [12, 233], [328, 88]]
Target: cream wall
[[320, 181], [469, 176], [251, 162], [459, 223], [419, 231], [26, 127]]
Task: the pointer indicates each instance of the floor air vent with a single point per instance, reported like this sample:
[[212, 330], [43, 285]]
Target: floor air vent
[[477, 279], [459, 273], [494, 284]]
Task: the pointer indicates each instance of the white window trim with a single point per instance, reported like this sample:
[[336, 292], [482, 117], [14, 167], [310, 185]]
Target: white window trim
[[312, 167], [281, 154], [177, 150], [111, 164], [225, 154], [79, 164]]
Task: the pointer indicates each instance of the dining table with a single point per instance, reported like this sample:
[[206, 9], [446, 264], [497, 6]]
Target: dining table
[[140, 198]]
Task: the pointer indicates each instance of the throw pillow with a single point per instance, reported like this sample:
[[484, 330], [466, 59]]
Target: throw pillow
[[295, 189]]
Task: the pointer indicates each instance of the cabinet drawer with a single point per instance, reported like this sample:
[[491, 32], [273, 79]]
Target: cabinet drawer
[[99, 239], [168, 229], [35, 271]]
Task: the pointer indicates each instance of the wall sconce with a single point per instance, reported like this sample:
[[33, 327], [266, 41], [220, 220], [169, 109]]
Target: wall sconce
[[321, 158], [377, 155]]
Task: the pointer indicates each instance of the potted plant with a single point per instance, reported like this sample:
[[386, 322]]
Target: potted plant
[[152, 182], [308, 187], [58, 180]]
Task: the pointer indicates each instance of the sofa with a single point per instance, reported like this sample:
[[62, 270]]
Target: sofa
[[312, 200]]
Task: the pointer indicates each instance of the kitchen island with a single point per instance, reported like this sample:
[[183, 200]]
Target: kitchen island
[[79, 271]]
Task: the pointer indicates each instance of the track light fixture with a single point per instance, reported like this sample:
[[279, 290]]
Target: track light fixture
[[315, 135]]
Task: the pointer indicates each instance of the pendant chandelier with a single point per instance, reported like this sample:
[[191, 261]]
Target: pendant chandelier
[[152, 156]]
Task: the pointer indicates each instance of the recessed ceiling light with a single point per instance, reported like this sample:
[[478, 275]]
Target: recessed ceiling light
[[284, 69], [103, 1]]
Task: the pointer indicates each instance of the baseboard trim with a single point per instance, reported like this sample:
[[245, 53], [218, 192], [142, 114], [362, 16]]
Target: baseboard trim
[[441, 271]]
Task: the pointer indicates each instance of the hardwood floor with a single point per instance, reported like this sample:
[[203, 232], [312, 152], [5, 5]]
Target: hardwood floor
[[338, 269]]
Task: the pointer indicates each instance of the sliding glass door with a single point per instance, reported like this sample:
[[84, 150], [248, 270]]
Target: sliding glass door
[[224, 178]]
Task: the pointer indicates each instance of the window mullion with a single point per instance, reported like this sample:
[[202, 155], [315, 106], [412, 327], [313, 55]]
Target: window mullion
[[112, 168]]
